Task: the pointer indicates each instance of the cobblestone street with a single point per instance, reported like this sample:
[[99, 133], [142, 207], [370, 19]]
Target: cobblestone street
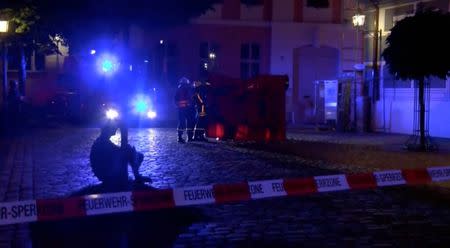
[[55, 163]]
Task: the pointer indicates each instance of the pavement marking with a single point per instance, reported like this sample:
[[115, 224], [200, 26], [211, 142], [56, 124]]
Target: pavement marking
[[136, 201]]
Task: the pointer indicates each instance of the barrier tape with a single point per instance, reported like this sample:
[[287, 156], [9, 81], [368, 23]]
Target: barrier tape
[[122, 202]]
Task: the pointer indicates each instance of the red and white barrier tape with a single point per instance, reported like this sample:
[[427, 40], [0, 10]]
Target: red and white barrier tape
[[108, 203]]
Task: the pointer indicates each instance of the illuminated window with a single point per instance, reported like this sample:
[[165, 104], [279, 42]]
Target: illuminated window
[[208, 58]]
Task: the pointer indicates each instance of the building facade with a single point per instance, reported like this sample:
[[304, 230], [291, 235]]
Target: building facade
[[307, 40], [393, 110]]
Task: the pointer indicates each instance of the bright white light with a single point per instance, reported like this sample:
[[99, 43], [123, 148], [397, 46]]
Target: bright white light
[[146, 61], [205, 65], [94, 196], [93, 52], [161, 42], [112, 114], [358, 20], [217, 139], [3, 26], [131, 67], [212, 55], [151, 114]]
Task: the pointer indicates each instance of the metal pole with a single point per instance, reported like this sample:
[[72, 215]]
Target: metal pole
[[355, 84], [376, 76], [57, 55], [5, 71]]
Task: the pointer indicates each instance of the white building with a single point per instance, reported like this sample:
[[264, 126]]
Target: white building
[[393, 111]]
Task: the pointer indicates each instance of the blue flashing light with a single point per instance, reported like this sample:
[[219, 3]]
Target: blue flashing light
[[141, 106], [107, 65], [93, 52]]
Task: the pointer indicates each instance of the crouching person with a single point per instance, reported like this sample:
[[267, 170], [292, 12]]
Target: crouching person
[[109, 162]]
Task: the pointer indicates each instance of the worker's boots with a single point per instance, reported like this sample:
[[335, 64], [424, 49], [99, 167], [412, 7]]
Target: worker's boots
[[180, 137]]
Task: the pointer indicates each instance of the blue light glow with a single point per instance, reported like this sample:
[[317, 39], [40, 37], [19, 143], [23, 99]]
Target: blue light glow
[[107, 64], [141, 106], [93, 52]]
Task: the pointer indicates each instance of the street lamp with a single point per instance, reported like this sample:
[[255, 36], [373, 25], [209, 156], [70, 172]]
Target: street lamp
[[3, 26], [3, 30], [358, 20], [58, 40]]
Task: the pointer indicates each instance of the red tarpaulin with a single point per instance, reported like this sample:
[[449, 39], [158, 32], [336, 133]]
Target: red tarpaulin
[[250, 110]]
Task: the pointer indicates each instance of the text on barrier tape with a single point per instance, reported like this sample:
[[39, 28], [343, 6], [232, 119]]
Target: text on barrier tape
[[122, 202]]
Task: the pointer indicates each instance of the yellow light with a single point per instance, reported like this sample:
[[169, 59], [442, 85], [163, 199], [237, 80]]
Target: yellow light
[[3, 26], [358, 20]]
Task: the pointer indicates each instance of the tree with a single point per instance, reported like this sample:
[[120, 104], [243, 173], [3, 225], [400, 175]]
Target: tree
[[37, 22], [418, 48], [25, 33], [90, 19]]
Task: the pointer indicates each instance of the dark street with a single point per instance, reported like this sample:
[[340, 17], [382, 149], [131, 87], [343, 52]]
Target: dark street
[[224, 123], [48, 164]]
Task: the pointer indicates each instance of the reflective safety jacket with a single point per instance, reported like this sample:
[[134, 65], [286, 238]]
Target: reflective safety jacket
[[183, 96], [200, 100]]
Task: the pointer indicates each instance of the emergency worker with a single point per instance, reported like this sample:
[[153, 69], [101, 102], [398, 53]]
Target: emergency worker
[[199, 99], [186, 111], [109, 162]]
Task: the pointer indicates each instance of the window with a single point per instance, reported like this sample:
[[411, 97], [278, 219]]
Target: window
[[14, 59], [39, 61], [318, 3], [166, 64], [393, 15], [435, 83], [390, 81], [252, 2], [204, 50], [250, 60]]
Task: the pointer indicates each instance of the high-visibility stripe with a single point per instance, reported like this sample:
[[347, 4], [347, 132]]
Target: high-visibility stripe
[[199, 98]]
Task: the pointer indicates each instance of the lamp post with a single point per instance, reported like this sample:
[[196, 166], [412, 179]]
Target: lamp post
[[358, 22], [3, 30], [58, 41]]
